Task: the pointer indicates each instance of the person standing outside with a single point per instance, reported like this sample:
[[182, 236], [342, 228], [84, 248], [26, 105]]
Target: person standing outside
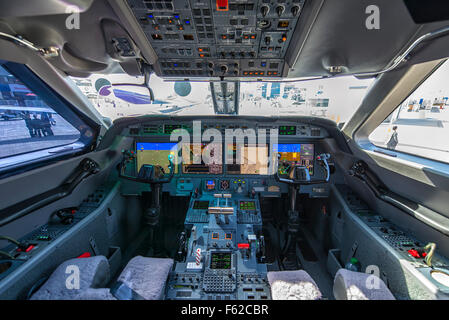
[[393, 142], [27, 118]]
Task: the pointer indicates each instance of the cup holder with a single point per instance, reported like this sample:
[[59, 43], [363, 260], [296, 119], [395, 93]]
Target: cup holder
[[441, 277], [4, 266]]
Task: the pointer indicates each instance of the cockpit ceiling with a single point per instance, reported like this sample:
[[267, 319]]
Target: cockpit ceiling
[[219, 39]]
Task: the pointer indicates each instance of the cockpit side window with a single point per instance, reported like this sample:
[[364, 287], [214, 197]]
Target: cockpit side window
[[35, 123], [420, 125]]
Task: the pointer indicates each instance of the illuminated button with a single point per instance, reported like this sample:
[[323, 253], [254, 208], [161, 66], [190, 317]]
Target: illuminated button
[[180, 27], [224, 37], [222, 5], [187, 21]]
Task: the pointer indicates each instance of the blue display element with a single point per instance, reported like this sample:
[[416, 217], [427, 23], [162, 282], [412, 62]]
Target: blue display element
[[187, 21], [176, 16], [289, 147], [210, 182], [145, 146], [150, 16]]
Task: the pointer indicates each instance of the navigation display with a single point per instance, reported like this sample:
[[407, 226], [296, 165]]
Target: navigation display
[[297, 153], [244, 159], [156, 154], [193, 158], [220, 260]]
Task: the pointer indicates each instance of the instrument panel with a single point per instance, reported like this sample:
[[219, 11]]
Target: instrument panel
[[296, 143], [218, 38], [239, 160]]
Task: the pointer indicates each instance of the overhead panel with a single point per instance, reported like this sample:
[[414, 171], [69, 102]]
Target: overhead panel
[[218, 38]]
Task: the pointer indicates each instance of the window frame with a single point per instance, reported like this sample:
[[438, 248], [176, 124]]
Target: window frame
[[29, 160], [361, 135], [396, 153]]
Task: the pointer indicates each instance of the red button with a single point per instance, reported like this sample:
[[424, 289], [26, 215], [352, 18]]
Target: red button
[[414, 253], [84, 255], [222, 5], [243, 245]]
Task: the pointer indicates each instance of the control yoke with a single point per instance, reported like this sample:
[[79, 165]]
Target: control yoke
[[299, 174], [148, 173], [155, 176]]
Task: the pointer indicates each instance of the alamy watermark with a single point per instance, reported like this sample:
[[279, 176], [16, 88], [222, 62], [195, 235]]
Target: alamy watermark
[[206, 146], [73, 21], [372, 21]]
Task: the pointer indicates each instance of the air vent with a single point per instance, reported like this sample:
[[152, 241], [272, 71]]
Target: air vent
[[315, 132], [158, 5]]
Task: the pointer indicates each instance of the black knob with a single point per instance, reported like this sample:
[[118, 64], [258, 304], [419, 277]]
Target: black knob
[[280, 10], [267, 40], [242, 54], [264, 10], [295, 10], [224, 68]]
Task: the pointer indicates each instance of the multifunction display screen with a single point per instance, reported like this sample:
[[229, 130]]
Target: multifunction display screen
[[220, 260], [247, 205], [156, 154], [202, 158], [295, 153]]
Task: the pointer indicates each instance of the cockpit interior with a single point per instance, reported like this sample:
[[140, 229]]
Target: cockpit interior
[[224, 150]]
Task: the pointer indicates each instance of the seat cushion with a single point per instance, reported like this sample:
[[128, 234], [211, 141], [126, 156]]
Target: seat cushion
[[146, 276], [93, 273], [350, 285], [293, 285], [95, 294]]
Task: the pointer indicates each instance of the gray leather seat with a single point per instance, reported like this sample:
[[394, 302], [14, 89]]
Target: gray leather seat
[[93, 273], [145, 276], [293, 285], [350, 285]]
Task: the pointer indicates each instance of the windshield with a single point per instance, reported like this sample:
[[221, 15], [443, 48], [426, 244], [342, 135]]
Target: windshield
[[336, 98]]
